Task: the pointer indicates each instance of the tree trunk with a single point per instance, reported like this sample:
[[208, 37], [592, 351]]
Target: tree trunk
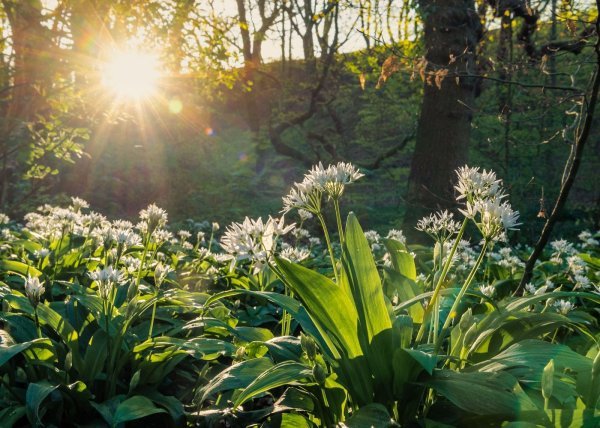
[[452, 31]]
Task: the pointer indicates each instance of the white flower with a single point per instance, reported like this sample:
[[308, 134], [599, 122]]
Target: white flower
[[4, 219], [530, 288], [314, 241], [77, 204], [304, 214], [126, 238], [332, 180], [564, 306], [294, 255], [487, 290], [153, 217], [560, 248], [161, 272], [440, 226], [474, 185], [397, 235], [184, 235], [494, 217], [254, 240], [161, 235], [42, 253], [106, 279], [33, 289], [215, 226]]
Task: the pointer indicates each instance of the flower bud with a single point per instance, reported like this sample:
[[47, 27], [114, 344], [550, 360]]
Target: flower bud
[[320, 374], [309, 346]]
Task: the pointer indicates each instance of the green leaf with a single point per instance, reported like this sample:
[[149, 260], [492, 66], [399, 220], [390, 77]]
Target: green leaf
[[369, 416], [406, 290], [35, 395], [54, 320], [95, 357], [291, 305], [317, 292], [42, 350], [402, 261], [202, 348], [425, 360], [482, 393], [11, 415], [134, 408], [337, 324], [237, 376], [375, 325], [278, 375], [18, 267], [294, 420]]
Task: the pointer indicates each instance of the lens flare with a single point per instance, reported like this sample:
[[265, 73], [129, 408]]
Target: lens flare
[[131, 74]]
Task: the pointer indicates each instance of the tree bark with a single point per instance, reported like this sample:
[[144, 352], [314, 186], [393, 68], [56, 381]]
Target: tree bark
[[452, 32]]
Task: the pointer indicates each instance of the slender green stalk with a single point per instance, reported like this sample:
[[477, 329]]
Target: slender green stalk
[[139, 272], [338, 218], [440, 280], [153, 315], [463, 290], [328, 240], [37, 323]]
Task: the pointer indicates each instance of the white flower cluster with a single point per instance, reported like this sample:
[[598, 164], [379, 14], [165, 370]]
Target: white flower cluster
[[106, 279], [483, 194], [588, 240], [440, 226], [373, 238], [332, 181], [152, 218], [505, 258], [561, 248], [33, 290], [254, 240]]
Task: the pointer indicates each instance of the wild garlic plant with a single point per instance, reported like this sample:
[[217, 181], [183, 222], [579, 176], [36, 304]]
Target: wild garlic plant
[[34, 290], [485, 206], [307, 197]]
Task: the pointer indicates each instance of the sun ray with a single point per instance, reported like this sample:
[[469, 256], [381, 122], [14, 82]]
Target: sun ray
[[131, 75]]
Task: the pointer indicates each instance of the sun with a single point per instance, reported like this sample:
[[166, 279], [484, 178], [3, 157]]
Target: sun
[[131, 74]]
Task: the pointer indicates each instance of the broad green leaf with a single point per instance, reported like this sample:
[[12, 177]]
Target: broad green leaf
[[425, 360], [41, 349], [402, 261], [293, 307], [335, 317], [237, 376], [53, 320], [294, 420], [406, 290], [201, 348], [482, 393], [278, 375], [35, 395], [318, 293], [134, 408], [171, 404], [18, 267], [251, 334], [11, 415], [375, 326], [369, 416], [95, 357]]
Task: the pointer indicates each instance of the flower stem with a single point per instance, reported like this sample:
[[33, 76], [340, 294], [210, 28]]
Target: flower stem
[[440, 280], [338, 218], [333, 263], [463, 290], [153, 315]]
